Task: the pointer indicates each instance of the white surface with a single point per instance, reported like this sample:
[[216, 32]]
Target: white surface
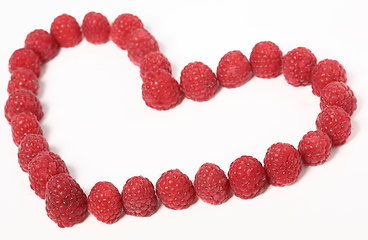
[[97, 122]]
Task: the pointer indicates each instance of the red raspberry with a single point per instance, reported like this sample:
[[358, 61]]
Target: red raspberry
[[338, 94], [266, 60], [45, 165], [105, 203], [154, 61], [334, 121], [325, 72], [198, 82], [175, 190], [122, 26], [23, 78], [96, 28], [211, 184], [315, 148], [247, 177], [22, 100], [66, 31], [139, 43], [66, 203], [30, 147], [161, 91], [25, 58], [23, 124], [298, 66], [139, 197], [283, 164], [43, 44], [233, 69]]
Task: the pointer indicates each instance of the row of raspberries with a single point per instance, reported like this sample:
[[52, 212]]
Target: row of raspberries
[[247, 177]]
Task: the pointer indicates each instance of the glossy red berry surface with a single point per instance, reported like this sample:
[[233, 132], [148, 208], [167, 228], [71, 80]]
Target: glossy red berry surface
[[153, 62], [315, 148], [43, 44], [23, 124], [266, 60], [96, 28], [25, 58], [29, 148], [23, 78], [66, 30]]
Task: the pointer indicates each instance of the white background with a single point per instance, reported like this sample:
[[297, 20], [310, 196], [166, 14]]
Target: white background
[[96, 120]]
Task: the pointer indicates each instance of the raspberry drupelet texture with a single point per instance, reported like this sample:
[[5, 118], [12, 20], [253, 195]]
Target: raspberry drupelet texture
[[198, 82], [96, 28], [23, 78], [211, 184], [298, 66], [43, 44], [23, 124], [139, 197], [25, 58], [66, 203], [233, 69], [66, 30], [105, 202], [315, 148], [153, 62], [29, 148], [266, 60], [175, 190], [247, 177], [283, 164]]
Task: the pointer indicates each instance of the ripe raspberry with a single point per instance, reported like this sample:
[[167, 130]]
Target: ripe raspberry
[[198, 82], [233, 69], [23, 78], [315, 148], [161, 91], [122, 26], [65, 29], [175, 190], [334, 121], [66, 203], [43, 44], [25, 58], [266, 60], [139, 197], [325, 72], [139, 43], [154, 61], [30, 147], [298, 66], [211, 184], [96, 28], [105, 203], [283, 164], [45, 165], [22, 100], [338, 94], [247, 177], [23, 124]]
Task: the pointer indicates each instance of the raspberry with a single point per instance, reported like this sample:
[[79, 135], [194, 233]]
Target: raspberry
[[25, 58], [325, 72], [139, 197], [175, 190], [161, 91], [66, 203], [283, 164], [105, 203], [338, 94], [247, 177], [139, 43], [266, 60], [23, 78], [66, 30], [298, 66], [198, 82], [336, 123], [211, 184], [45, 165], [30, 147], [315, 148], [23, 124], [122, 26], [233, 69], [22, 100], [154, 61], [96, 28], [43, 44]]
